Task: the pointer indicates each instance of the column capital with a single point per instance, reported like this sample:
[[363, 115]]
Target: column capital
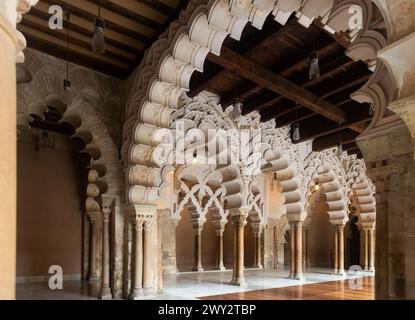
[[257, 228], [239, 220], [148, 223], [138, 222], [198, 223], [239, 212], [95, 217], [219, 225], [338, 227], [144, 210], [296, 224]]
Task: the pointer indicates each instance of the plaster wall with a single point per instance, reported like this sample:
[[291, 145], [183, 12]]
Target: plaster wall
[[49, 208]]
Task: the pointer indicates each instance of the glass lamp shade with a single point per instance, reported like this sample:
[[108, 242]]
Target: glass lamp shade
[[339, 151], [98, 41], [296, 132], [67, 86], [314, 72]]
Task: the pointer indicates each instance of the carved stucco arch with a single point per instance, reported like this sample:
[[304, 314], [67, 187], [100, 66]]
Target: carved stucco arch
[[46, 89], [163, 77], [325, 169], [361, 195], [201, 180]]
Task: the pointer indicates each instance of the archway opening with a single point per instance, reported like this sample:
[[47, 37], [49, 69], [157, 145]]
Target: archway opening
[[352, 235], [52, 225], [320, 236]]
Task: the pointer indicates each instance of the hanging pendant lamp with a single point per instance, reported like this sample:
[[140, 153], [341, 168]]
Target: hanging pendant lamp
[[296, 126], [314, 71], [98, 40]]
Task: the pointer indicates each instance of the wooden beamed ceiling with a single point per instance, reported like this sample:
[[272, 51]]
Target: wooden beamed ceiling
[[131, 27], [268, 71]]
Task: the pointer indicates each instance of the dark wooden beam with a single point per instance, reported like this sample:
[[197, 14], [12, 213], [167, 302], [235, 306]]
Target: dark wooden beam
[[72, 40], [328, 72], [86, 32], [160, 6], [289, 111], [289, 119], [75, 57], [332, 140], [135, 16], [313, 129], [253, 46], [255, 72], [350, 84], [300, 60], [73, 10]]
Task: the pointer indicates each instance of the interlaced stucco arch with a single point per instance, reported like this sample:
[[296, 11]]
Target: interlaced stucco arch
[[166, 69], [161, 82]]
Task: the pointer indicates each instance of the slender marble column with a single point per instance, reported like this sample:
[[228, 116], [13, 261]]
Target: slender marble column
[[257, 251], [336, 251], [299, 250], [197, 249], [137, 279], [239, 222], [340, 238], [95, 221], [147, 283], [371, 249], [105, 286], [219, 251], [365, 249], [296, 244], [292, 253]]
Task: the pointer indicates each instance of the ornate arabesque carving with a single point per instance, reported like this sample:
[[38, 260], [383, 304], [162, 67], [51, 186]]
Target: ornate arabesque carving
[[164, 75]]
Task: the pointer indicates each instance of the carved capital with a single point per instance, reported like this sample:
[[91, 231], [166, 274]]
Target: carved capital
[[95, 218], [138, 222], [296, 225], [148, 223], [338, 228], [239, 220]]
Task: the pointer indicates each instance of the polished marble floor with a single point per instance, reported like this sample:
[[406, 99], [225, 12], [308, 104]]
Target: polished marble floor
[[192, 285]]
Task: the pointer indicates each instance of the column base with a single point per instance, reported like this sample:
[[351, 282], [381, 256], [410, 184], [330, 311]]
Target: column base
[[137, 294], [238, 282], [198, 269], [221, 268], [259, 267], [296, 276], [93, 277], [149, 293], [105, 294], [340, 273]]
